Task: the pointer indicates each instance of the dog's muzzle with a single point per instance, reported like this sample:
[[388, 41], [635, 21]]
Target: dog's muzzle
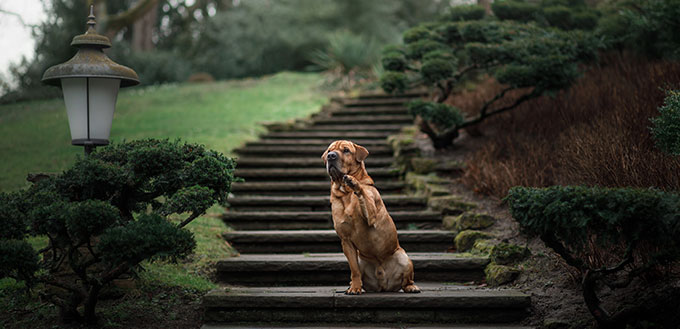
[[333, 166]]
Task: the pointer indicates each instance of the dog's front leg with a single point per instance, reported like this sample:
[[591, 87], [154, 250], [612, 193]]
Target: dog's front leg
[[366, 202], [352, 258]]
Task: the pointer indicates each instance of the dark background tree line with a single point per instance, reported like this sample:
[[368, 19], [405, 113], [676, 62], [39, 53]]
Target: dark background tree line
[[168, 40]]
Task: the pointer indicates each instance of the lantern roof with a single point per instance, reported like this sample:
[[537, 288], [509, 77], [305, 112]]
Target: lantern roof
[[90, 61]]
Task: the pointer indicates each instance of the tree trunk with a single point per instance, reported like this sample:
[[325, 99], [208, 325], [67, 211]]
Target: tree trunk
[[143, 29], [487, 5], [90, 304]]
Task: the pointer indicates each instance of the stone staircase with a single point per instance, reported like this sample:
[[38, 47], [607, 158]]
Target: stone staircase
[[291, 271]]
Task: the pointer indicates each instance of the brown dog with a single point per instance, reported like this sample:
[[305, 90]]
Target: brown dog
[[368, 235]]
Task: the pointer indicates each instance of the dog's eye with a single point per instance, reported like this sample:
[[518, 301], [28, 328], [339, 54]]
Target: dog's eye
[[346, 150]]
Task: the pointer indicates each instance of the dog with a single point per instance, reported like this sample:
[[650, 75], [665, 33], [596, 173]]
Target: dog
[[366, 230]]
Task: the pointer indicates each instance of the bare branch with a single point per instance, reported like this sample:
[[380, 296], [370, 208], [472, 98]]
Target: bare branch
[[21, 19]]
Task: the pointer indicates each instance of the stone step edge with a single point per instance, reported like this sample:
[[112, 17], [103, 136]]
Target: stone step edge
[[422, 261], [358, 326], [329, 236]]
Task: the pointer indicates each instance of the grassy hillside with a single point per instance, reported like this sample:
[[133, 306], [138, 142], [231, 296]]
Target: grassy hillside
[[34, 136]]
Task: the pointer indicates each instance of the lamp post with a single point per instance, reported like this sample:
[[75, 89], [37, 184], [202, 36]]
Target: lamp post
[[90, 82]]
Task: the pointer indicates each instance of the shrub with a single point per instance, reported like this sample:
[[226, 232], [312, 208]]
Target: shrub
[[515, 10], [584, 20], [106, 214], [666, 127], [524, 57], [612, 236], [348, 57], [559, 16], [394, 61], [465, 13], [394, 82], [592, 133], [436, 119]]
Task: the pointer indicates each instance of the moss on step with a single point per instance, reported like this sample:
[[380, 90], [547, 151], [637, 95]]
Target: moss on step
[[450, 204], [505, 253], [483, 247], [468, 221], [423, 165], [497, 275], [466, 239]]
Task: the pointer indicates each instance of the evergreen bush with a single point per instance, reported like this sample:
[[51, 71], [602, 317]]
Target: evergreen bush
[[666, 127], [105, 215], [611, 235]]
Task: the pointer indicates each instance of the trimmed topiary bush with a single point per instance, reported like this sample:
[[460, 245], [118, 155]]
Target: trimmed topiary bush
[[465, 13], [105, 215], [526, 58], [612, 236], [515, 10], [666, 127]]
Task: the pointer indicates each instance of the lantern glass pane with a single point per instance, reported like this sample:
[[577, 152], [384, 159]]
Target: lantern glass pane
[[75, 97], [103, 95]]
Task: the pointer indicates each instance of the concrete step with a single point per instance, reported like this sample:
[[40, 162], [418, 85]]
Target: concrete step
[[318, 142], [358, 326], [291, 150], [382, 95], [301, 188], [312, 161], [316, 203], [437, 303], [299, 241], [371, 110], [330, 134], [298, 174], [392, 128], [365, 119], [332, 269], [314, 220], [390, 101]]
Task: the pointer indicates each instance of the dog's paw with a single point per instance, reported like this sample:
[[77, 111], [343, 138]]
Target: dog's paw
[[412, 289], [353, 291], [351, 182]]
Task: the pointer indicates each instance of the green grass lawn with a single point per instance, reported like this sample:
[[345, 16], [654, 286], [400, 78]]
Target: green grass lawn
[[34, 136]]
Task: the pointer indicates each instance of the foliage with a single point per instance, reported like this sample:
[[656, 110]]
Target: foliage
[[646, 27], [562, 14], [394, 82], [106, 214], [441, 115], [465, 13], [514, 10], [524, 57], [228, 39], [666, 127], [632, 230], [347, 58], [583, 135]]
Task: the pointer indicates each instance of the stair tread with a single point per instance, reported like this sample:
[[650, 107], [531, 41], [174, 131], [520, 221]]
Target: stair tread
[[398, 101], [405, 118], [389, 127], [283, 215], [361, 326], [306, 172], [338, 261], [329, 134], [329, 235], [433, 295], [317, 199], [241, 186], [316, 141]]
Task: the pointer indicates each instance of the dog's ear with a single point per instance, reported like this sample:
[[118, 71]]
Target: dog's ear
[[323, 156], [361, 153]]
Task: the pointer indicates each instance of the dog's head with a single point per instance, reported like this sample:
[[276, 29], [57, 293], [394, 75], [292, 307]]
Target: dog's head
[[343, 158]]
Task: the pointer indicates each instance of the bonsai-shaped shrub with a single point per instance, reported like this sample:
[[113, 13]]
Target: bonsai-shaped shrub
[[562, 14], [105, 215], [612, 236], [666, 127], [523, 57]]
